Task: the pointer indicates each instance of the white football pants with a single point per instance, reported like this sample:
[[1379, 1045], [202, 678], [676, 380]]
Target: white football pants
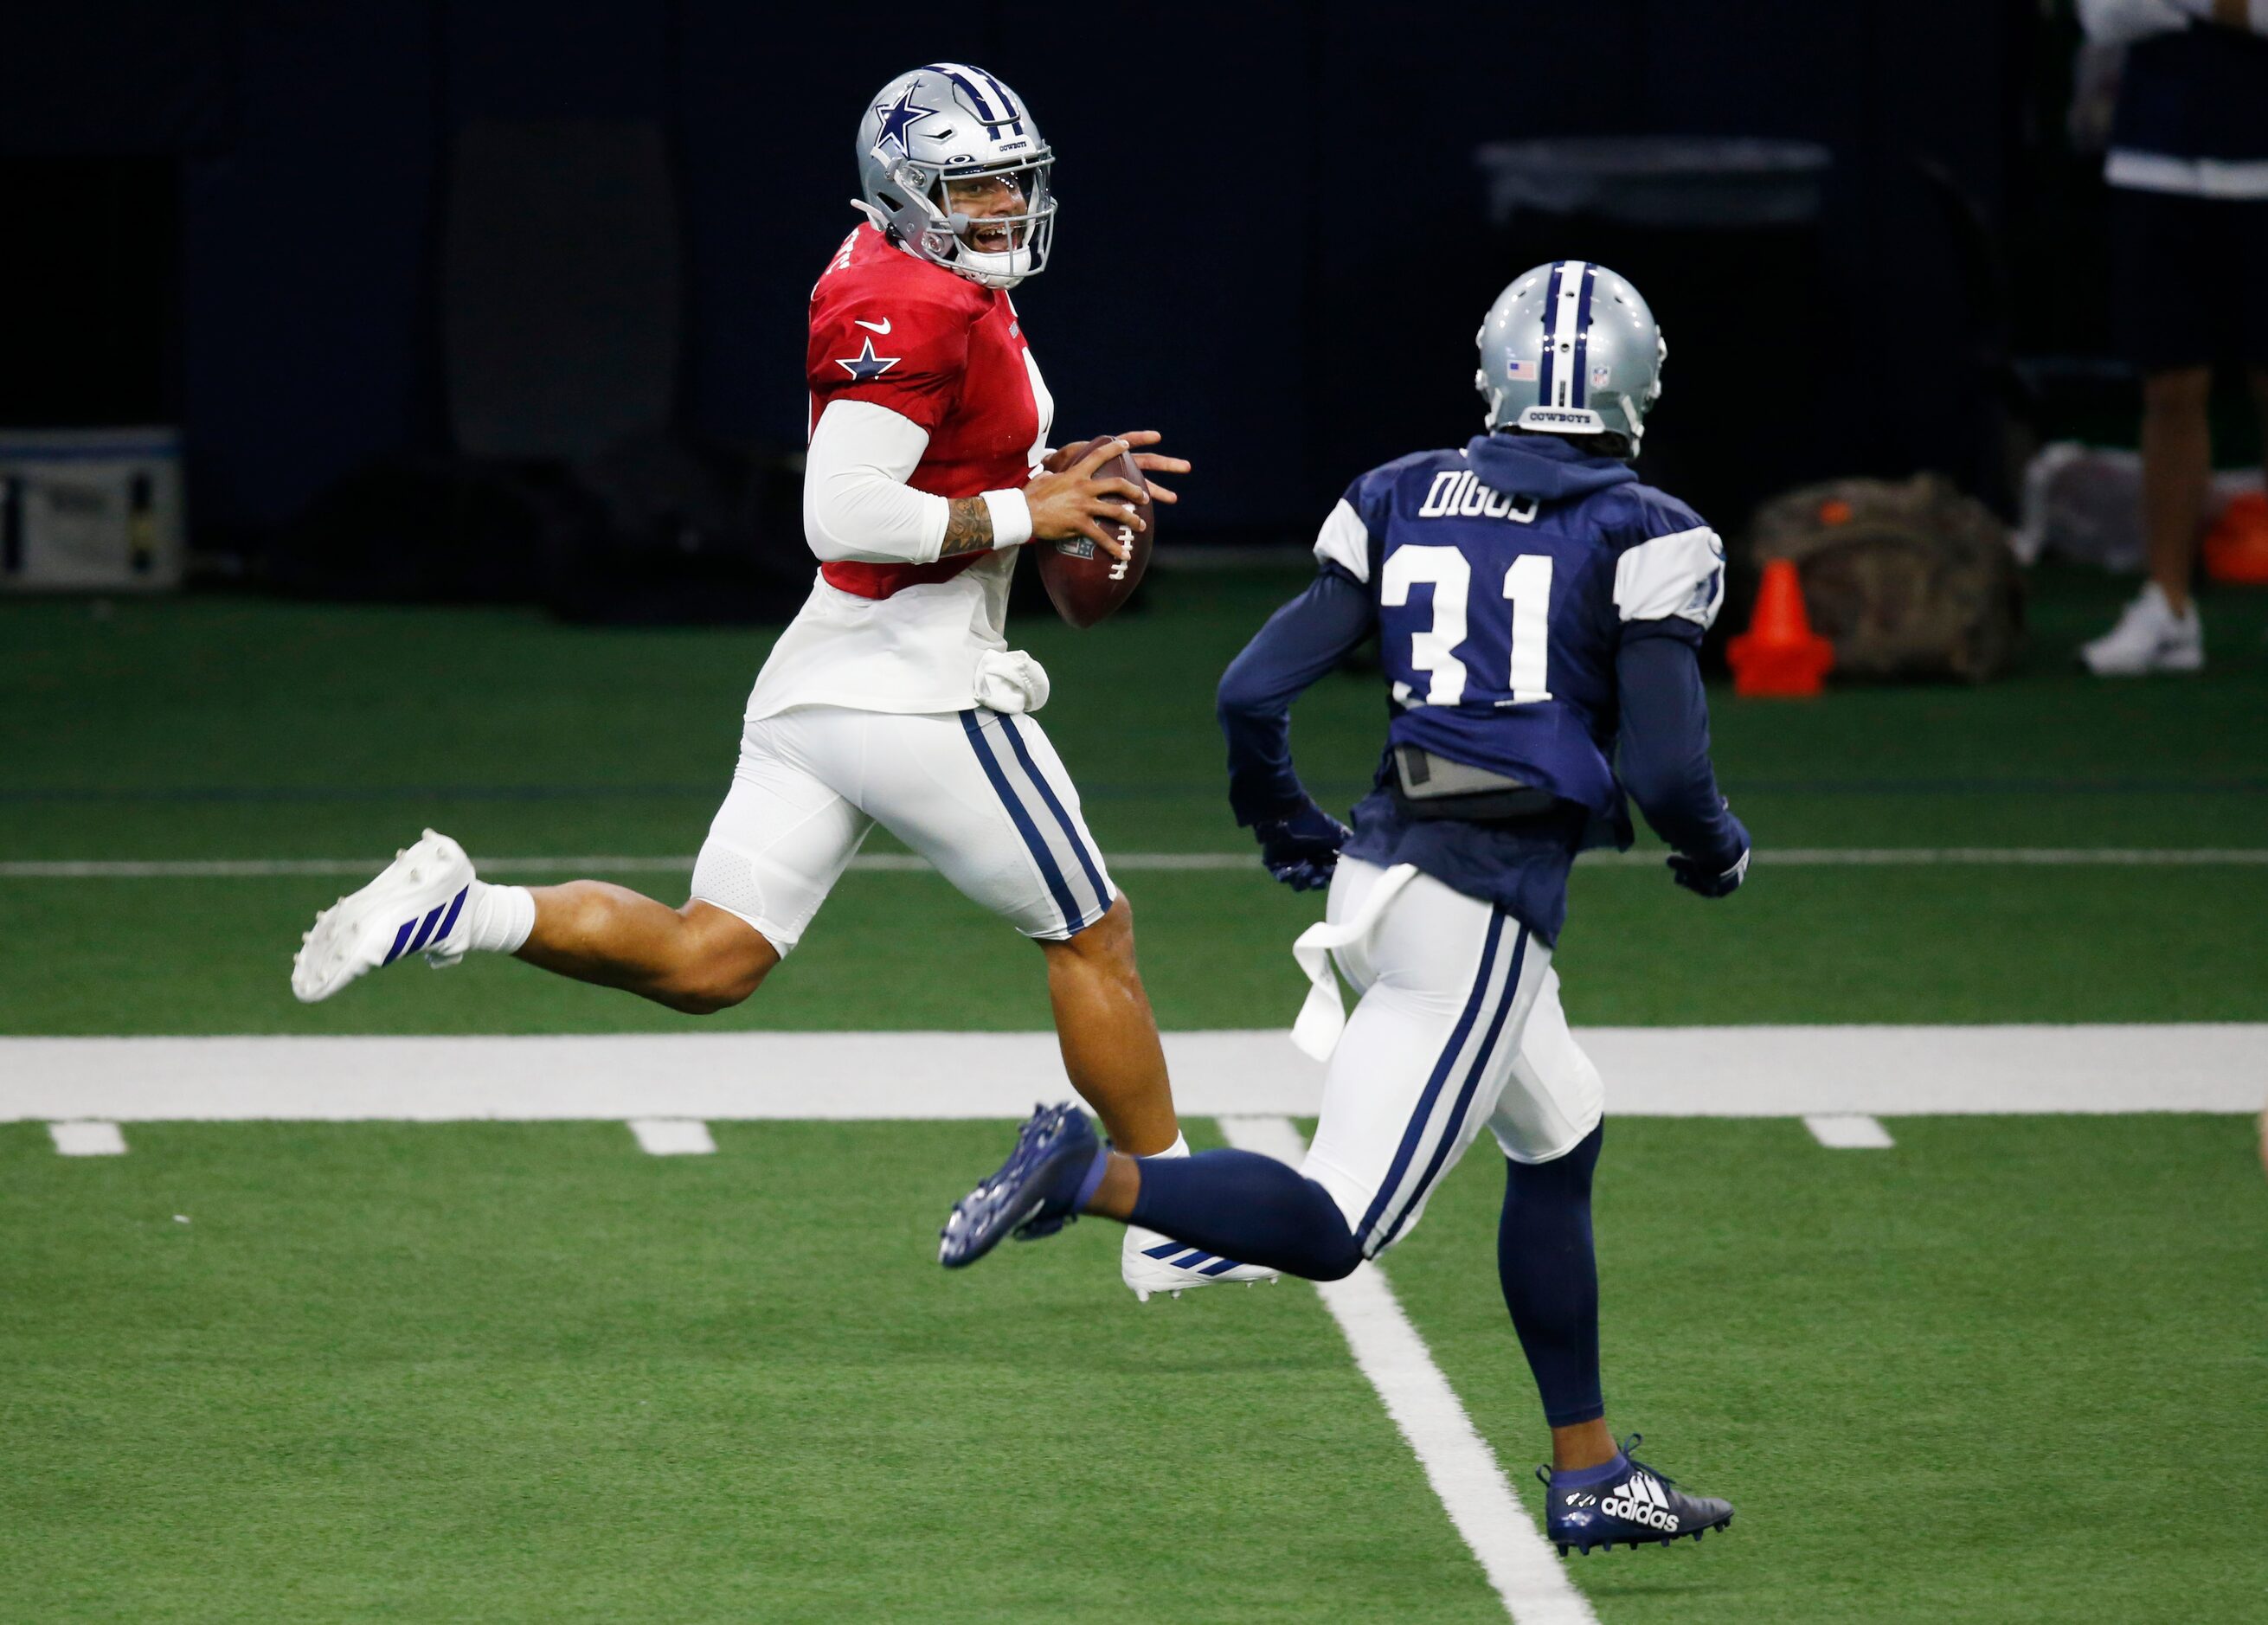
[[982, 795], [1458, 1025]]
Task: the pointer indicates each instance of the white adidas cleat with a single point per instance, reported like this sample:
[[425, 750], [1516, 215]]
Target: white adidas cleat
[[416, 905], [1149, 1262], [2149, 637]]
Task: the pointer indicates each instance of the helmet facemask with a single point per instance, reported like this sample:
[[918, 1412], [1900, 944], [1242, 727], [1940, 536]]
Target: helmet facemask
[[1002, 218], [952, 167]]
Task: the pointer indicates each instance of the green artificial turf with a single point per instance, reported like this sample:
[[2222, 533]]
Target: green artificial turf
[[509, 1373], [2012, 1369], [1795, 946], [1979, 1376], [227, 727]]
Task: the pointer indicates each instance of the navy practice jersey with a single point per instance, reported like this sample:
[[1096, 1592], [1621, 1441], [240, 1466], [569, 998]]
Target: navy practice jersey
[[1507, 576], [1520, 590]]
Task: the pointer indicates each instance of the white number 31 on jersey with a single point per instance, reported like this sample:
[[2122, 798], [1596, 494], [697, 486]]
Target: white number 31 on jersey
[[1528, 584]]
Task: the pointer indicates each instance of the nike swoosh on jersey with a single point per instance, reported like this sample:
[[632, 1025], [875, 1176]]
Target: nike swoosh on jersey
[[881, 326]]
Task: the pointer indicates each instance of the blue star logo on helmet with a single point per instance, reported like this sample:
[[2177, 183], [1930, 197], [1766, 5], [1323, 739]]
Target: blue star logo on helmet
[[900, 116], [866, 366]]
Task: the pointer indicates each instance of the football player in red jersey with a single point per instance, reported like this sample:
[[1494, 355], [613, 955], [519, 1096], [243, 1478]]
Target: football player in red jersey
[[893, 698]]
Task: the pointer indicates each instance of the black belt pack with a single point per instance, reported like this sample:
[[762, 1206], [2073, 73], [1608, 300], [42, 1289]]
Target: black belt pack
[[1426, 785]]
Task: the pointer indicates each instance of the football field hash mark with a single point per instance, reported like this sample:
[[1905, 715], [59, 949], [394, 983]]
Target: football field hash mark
[[1848, 1131], [1457, 1461], [87, 1139], [673, 1137]]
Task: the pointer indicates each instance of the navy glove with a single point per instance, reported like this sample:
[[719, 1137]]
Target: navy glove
[[1302, 850], [1712, 877]]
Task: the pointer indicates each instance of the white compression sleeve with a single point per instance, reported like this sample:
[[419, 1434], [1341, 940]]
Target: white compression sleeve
[[856, 502]]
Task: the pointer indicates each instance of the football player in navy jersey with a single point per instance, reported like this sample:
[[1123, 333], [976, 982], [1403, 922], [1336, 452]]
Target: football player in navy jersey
[[1539, 612]]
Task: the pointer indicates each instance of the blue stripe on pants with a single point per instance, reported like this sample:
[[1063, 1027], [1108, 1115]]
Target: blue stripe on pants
[[1046, 794], [1022, 816], [1415, 1132], [1464, 1096]]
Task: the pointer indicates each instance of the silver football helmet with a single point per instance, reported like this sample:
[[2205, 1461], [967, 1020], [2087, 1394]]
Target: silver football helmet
[[951, 125], [1571, 348]]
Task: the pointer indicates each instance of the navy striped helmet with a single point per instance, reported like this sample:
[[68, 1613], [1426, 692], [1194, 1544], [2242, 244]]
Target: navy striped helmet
[[952, 167], [1571, 348]]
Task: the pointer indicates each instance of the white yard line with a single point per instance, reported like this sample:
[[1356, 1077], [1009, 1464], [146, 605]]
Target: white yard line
[[1848, 1131], [903, 863], [1457, 1461], [88, 1139], [599, 863], [673, 1137], [1774, 1071]]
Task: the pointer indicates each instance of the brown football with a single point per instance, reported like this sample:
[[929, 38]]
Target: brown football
[[1086, 584]]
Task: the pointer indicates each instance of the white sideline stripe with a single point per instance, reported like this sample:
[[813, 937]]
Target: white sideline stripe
[[264, 868], [1848, 1131], [906, 863], [673, 1137], [1457, 1461], [1773, 1071], [88, 1139]]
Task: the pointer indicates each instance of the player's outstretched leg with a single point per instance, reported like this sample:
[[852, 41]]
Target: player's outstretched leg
[[1230, 1204], [428, 902], [1111, 1051], [699, 959], [1595, 1495]]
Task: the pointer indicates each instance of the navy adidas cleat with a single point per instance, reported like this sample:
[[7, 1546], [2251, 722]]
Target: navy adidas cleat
[[1624, 1502], [1036, 1191]]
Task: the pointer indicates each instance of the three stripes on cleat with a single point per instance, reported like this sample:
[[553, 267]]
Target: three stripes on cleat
[[1192, 1258], [426, 933]]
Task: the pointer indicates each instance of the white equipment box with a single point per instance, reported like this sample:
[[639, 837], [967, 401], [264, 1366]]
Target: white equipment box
[[89, 510]]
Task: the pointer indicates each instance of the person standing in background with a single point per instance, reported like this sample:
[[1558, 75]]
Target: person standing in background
[[2188, 168]]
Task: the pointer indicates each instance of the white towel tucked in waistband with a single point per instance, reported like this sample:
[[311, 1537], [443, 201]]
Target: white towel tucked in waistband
[[1323, 1017]]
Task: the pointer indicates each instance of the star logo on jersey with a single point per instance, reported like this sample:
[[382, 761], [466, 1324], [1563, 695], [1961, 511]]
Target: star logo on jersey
[[866, 366], [900, 116]]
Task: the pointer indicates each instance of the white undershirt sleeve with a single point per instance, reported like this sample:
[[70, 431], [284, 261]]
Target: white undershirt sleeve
[[856, 504]]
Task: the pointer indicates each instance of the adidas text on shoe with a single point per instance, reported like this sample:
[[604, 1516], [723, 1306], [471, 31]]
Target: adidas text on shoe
[[1633, 1505]]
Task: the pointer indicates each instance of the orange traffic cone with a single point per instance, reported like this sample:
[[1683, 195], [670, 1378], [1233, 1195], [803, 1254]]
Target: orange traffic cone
[[2236, 548], [1780, 653]]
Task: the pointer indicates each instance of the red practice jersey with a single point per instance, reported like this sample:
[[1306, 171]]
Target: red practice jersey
[[935, 348]]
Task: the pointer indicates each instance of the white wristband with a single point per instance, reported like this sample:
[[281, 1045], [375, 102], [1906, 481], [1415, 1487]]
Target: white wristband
[[1011, 518]]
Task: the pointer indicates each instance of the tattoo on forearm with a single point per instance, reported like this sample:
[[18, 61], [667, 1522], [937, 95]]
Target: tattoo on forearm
[[969, 527]]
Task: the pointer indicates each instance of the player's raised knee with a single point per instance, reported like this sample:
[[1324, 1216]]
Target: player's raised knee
[[1110, 936], [1117, 921], [722, 961]]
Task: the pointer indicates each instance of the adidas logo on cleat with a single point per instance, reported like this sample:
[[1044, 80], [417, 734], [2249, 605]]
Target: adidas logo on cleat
[[1641, 1502]]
